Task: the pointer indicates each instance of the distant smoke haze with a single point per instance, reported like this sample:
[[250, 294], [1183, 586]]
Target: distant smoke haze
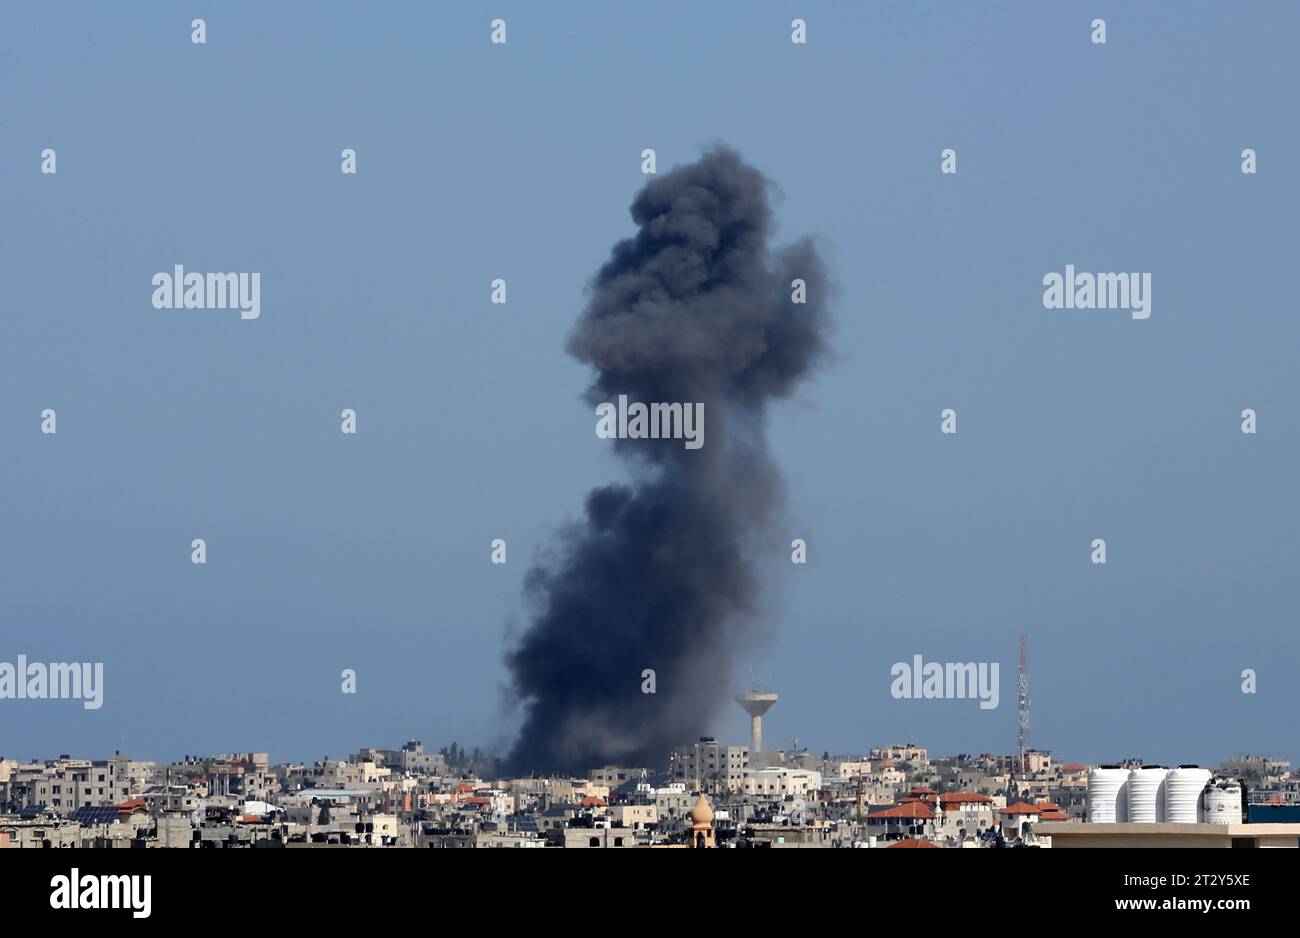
[[696, 307]]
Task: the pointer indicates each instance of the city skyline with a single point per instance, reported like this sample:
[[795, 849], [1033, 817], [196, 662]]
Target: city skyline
[[1113, 413], [705, 794]]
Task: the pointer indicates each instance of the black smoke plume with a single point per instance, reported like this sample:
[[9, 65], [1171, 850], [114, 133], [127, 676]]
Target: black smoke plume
[[695, 308]]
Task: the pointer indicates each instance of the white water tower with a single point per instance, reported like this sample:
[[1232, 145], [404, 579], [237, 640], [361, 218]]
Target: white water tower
[[756, 703]]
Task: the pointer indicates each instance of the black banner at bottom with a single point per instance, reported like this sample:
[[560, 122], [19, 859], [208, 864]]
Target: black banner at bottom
[[318, 885]]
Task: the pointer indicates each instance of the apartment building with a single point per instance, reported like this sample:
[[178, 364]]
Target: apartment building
[[780, 783], [708, 766]]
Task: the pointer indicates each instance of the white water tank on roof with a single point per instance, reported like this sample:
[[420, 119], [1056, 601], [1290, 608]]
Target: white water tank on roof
[[1223, 802], [1183, 787], [1146, 794], [1107, 794]]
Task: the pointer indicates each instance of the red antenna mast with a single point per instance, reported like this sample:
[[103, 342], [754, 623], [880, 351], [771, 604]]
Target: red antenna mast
[[1023, 701]]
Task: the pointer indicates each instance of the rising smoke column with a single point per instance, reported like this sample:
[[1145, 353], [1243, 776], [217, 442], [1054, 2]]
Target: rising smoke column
[[695, 308]]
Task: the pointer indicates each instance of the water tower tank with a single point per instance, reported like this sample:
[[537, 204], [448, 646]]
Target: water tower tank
[[1146, 794], [1107, 794], [1223, 802], [1183, 787]]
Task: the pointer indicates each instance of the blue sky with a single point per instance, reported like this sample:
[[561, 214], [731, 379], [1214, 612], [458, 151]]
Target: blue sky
[[479, 161]]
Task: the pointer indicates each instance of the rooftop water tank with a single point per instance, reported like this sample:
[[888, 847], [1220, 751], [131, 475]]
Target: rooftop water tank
[[1146, 794], [1183, 787], [1107, 794], [1223, 802]]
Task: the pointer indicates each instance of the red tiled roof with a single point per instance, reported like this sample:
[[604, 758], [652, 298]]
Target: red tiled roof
[[1020, 807], [914, 810], [1073, 767], [591, 801], [912, 843], [963, 797]]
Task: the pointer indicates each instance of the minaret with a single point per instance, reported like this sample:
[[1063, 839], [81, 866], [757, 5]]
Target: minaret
[[701, 829]]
